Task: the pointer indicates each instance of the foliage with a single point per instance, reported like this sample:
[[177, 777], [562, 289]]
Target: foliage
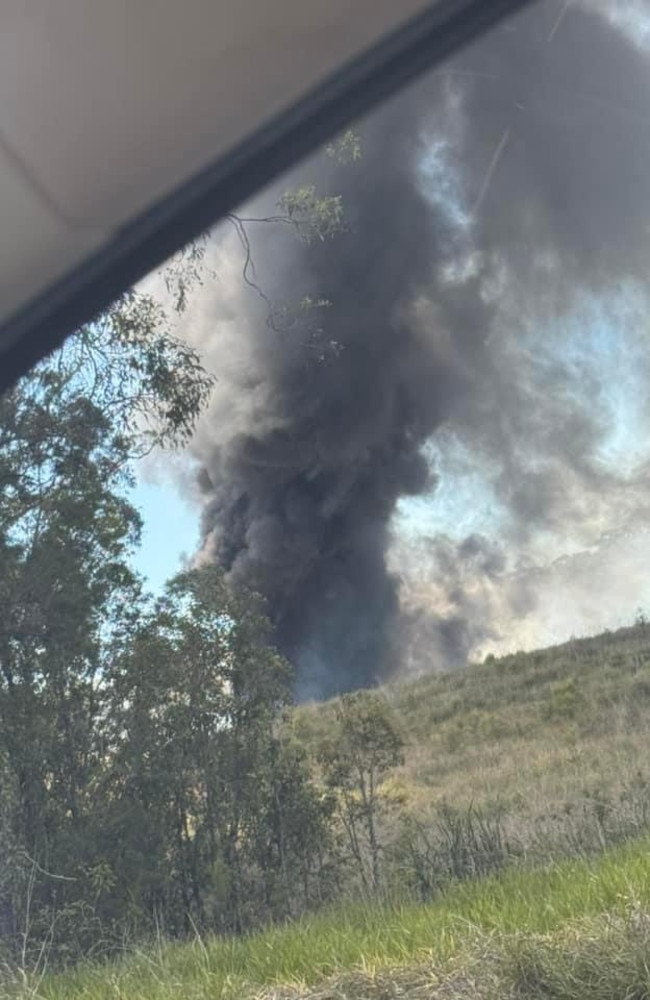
[[313, 216], [152, 778], [68, 435], [187, 270], [199, 778], [580, 924], [155, 779], [65, 535], [355, 757], [129, 362], [146, 779], [346, 147], [460, 844]]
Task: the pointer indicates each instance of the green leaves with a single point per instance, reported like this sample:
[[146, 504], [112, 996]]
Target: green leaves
[[346, 148], [314, 216], [150, 775], [359, 751], [69, 433], [221, 800], [153, 383], [365, 743]]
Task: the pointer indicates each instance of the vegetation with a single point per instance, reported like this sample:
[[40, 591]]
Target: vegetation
[[144, 780], [578, 930], [479, 833], [147, 783], [155, 782], [551, 744], [209, 804]]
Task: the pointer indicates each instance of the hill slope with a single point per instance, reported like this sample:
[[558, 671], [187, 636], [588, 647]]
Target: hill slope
[[554, 742], [578, 932], [534, 767]]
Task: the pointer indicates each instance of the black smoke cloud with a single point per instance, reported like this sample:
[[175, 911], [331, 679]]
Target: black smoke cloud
[[538, 193]]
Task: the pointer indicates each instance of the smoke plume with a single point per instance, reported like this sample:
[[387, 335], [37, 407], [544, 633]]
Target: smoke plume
[[500, 207]]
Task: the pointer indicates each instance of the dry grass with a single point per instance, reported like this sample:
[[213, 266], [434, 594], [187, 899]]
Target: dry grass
[[555, 743], [542, 934], [538, 737], [605, 958], [416, 982]]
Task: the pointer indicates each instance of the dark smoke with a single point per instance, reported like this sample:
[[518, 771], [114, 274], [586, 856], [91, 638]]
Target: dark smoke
[[466, 612], [537, 195]]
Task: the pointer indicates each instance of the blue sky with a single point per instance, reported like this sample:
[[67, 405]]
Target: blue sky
[[170, 534], [463, 501], [581, 587], [603, 347]]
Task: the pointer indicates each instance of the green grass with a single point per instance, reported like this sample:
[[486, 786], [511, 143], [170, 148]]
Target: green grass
[[556, 742], [363, 942]]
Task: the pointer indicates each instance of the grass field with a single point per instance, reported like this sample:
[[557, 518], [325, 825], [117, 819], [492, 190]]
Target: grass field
[[577, 929], [553, 742]]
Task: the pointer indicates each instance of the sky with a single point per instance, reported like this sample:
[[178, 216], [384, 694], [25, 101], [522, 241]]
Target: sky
[[171, 530], [585, 576], [464, 502], [587, 583]]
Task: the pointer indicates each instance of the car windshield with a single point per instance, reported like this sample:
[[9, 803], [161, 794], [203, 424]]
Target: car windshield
[[324, 567]]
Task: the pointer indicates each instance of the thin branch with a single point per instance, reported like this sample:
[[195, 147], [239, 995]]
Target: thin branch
[[43, 871], [249, 268]]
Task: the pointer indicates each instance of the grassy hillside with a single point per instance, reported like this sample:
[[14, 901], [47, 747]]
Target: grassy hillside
[[536, 764], [554, 742], [579, 930]]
